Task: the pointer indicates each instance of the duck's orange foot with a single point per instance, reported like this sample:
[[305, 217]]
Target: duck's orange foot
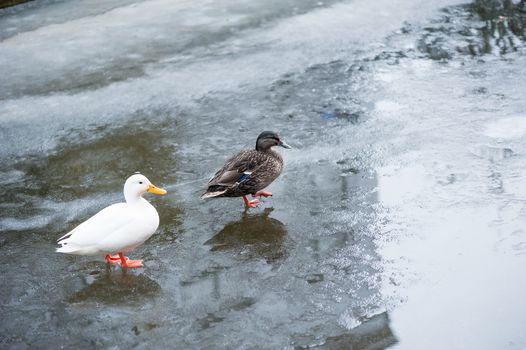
[[131, 263], [113, 259], [262, 194], [250, 204], [123, 261]]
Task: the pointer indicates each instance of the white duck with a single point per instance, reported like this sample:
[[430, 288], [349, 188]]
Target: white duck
[[118, 228]]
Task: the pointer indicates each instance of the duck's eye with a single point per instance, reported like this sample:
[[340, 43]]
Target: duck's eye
[[140, 182]]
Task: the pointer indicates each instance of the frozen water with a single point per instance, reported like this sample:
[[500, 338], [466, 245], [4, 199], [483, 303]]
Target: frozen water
[[398, 220]]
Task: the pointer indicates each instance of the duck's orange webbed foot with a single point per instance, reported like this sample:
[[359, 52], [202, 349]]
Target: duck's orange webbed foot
[[262, 194], [124, 261], [250, 204], [132, 263], [113, 259]]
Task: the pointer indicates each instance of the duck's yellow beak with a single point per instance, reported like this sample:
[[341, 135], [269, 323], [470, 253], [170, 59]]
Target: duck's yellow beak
[[156, 190]]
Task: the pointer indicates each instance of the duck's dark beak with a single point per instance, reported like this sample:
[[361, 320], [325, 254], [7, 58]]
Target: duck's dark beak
[[284, 144]]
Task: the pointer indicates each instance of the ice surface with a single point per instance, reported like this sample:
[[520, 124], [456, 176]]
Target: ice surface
[[399, 218]]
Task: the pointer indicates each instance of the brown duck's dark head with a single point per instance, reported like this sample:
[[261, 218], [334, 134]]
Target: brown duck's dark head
[[268, 139]]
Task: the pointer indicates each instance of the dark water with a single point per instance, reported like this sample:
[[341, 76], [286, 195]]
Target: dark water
[[398, 221]]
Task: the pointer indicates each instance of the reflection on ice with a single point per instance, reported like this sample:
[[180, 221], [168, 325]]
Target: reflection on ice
[[116, 287], [480, 28], [254, 235]]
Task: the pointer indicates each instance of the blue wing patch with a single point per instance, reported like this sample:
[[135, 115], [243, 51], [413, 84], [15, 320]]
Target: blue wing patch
[[244, 176]]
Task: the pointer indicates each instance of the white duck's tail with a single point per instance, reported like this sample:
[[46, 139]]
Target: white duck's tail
[[68, 249], [72, 248], [64, 244]]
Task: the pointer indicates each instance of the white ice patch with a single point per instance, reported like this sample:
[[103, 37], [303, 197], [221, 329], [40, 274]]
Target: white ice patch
[[399, 185], [386, 106], [507, 128]]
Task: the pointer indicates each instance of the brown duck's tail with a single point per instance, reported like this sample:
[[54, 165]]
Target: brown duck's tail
[[212, 194]]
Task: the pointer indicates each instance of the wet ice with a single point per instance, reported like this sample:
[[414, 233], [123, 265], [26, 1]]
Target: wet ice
[[398, 218]]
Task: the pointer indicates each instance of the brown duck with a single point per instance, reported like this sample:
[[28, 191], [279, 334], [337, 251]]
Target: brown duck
[[249, 171]]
